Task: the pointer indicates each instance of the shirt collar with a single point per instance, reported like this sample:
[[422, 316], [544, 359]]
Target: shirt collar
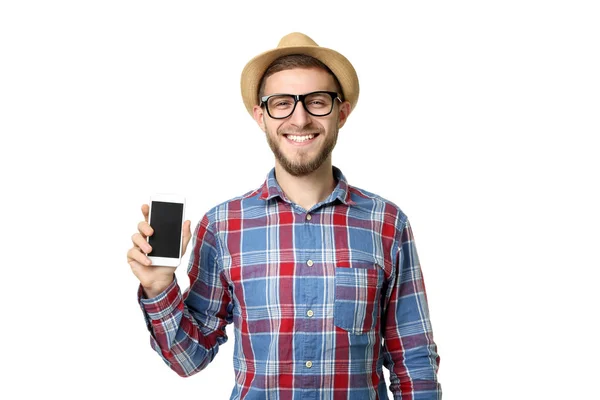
[[271, 188]]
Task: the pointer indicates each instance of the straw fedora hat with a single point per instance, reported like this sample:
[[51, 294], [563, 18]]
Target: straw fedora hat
[[298, 43]]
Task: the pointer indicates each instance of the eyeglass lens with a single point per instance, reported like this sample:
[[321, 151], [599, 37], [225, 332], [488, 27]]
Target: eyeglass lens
[[318, 104]]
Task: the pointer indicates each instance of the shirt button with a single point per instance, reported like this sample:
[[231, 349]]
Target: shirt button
[[308, 364], [308, 217], [310, 313], [310, 263]]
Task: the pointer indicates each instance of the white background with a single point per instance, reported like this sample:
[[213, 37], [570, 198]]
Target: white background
[[479, 119]]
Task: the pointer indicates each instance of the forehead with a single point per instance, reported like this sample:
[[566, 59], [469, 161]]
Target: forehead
[[299, 81]]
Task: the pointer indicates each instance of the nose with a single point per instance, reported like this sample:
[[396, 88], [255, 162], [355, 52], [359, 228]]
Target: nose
[[300, 117]]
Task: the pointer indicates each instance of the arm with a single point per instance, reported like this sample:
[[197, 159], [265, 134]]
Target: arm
[[186, 331], [409, 351]]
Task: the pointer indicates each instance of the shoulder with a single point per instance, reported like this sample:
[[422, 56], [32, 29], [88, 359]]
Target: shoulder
[[375, 204], [234, 207]]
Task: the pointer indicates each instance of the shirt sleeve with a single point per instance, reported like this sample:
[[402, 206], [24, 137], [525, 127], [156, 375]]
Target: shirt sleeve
[[187, 330], [409, 351]]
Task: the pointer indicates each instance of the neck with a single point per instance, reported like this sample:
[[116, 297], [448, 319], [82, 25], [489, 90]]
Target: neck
[[308, 190]]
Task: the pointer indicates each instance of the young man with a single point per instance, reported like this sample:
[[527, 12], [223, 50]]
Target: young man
[[321, 279]]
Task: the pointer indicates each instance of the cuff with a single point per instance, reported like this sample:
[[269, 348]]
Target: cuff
[[159, 307]]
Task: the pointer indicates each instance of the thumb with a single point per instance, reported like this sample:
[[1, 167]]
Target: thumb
[[187, 234]]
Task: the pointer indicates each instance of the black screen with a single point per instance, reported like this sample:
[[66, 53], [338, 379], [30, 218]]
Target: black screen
[[166, 220]]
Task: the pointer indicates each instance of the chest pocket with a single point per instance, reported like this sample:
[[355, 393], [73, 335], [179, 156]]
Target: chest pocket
[[357, 295]]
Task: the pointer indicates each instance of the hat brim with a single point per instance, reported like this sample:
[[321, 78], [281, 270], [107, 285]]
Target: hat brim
[[337, 63]]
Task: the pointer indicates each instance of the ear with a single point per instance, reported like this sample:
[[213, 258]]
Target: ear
[[258, 114], [345, 109]]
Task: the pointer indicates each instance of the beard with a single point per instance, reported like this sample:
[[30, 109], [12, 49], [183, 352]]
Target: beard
[[305, 165]]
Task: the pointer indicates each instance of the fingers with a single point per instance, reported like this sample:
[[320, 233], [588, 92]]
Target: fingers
[[140, 242], [145, 211], [145, 229], [135, 265], [134, 255]]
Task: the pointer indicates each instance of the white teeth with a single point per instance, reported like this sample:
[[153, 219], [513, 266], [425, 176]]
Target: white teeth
[[300, 138]]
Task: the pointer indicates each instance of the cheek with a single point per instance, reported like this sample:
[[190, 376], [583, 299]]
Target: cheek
[[272, 129], [331, 126]]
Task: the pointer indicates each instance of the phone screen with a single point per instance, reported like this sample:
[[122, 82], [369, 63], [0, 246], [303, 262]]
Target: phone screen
[[166, 220]]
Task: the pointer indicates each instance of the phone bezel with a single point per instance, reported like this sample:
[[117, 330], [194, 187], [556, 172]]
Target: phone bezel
[[167, 198]]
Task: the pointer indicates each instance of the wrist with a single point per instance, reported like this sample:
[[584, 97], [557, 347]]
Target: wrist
[[155, 288]]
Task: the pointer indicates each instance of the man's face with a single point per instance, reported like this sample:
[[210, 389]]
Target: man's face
[[301, 142]]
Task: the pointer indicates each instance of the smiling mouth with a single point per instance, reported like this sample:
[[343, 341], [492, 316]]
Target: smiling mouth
[[301, 138]]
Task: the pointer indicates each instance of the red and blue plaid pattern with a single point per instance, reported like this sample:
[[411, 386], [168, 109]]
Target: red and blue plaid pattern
[[321, 299]]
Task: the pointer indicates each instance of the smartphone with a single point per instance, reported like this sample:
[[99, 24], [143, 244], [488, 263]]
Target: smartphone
[[166, 216]]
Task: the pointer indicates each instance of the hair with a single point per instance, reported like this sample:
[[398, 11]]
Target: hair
[[293, 61]]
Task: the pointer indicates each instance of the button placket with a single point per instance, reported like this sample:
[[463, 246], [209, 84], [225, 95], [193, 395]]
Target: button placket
[[309, 237]]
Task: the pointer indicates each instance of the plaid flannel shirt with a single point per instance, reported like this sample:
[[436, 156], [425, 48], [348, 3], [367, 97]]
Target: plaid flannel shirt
[[320, 299]]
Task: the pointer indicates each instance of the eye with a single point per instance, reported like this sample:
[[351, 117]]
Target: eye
[[318, 102], [281, 102]]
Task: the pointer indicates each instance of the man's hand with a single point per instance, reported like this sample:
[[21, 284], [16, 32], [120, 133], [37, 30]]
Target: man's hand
[[154, 279]]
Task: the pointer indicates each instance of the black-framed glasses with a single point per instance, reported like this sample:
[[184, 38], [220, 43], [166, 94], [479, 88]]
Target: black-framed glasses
[[280, 105]]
